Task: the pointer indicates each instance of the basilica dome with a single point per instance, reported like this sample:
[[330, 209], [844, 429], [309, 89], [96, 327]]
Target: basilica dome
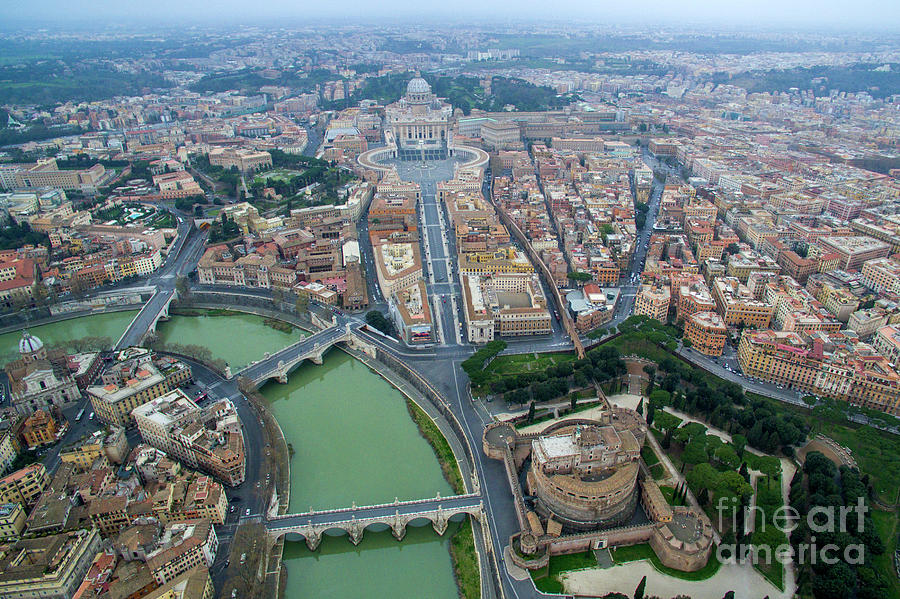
[[417, 85], [29, 344]]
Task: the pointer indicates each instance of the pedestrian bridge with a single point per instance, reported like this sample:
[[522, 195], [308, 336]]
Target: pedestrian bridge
[[354, 521], [280, 364]]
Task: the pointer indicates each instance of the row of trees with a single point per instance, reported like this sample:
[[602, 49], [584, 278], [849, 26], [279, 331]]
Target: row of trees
[[16, 235], [223, 229], [723, 404], [376, 319], [599, 365], [475, 364], [819, 488]]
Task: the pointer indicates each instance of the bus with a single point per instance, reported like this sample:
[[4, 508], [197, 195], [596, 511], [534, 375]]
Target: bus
[[79, 415]]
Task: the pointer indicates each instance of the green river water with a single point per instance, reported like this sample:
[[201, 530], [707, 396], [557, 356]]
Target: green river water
[[110, 324], [237, 338], [353, 441]]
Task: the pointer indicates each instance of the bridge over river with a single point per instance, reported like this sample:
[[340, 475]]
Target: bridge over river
[[354, 521], [280, 364]]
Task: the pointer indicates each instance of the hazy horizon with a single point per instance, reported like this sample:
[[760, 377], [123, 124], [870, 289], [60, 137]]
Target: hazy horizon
[[876, 15]]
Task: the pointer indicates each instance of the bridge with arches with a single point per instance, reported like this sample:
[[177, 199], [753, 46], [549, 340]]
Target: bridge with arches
[[354, 521], [280, 364]]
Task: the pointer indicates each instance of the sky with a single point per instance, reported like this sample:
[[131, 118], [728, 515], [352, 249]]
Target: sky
[[877, 14]]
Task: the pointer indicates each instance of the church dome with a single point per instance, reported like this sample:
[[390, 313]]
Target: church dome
[[417, 85], [29, 344]]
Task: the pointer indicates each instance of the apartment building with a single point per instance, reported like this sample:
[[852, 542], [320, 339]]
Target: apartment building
[[742, 264], [179, 184], [136, 377], [24, 486], [397, 266], [514, 303], [653, 301], [39, 429], [829, 364], [411, 313], [219, 267], [12, 520], [867, 322], [887, 342], [854, 251], [193, 584], [392, 212], [691, 295], [797, 267], [881, 274], [707, 332], [50, 566], [209, 439], [46, 173], [506, 260], [182, 547], [9, 444], [736, 304]]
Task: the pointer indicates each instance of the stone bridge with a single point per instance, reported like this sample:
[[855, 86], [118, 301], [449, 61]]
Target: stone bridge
[[145, 322], [280, 364], [354, 521]]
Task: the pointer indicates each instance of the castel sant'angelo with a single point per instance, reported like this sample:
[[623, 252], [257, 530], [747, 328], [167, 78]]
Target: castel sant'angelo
[[587, 487]]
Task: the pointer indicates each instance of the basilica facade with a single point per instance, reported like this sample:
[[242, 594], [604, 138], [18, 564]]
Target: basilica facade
[[420, 123]]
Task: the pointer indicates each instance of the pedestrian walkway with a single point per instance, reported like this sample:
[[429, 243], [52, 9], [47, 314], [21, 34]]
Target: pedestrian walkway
[[604, 558]]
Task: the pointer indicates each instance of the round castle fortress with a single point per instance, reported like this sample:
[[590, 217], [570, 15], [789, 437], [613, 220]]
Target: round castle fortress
[[585, 481]]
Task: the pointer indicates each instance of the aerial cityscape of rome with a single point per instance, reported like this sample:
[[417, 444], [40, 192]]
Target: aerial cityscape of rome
[[449, 301]]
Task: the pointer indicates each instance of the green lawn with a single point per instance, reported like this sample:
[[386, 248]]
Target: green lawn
[[633, 553], [280, 174], [669, 494], [649, 456], [560, 564], [465, 561], [877, 453], [520, 363], [886, 526], [442, 450]]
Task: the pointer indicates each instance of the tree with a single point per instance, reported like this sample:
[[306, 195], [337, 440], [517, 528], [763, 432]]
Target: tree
[[740, 442], [302, 304], [727, 456], [531, 410], [377, 320], [277, 296], [651, 412], [695, 452], [666, 422], [573, 401], [690, 430], [703, 476], [703, 497], [183, 288], [660, 397], [639, 591], [579, 277]]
